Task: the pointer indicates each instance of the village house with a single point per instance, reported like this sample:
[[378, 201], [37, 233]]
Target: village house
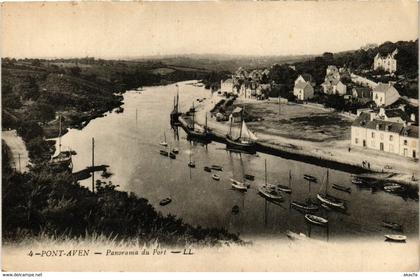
[[334, 86], [305, 77], [226, 86], [386, 62], [303, 90], [372, 130], [385, 95]]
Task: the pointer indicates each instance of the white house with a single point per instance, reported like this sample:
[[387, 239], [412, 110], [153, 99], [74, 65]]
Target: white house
[[386, 62], [385, 95], [303, 90], [305, 77], [370, 131], [226, 86], [334, 86]]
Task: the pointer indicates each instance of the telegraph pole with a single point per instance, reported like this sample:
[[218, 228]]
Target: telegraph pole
[[93, 164]]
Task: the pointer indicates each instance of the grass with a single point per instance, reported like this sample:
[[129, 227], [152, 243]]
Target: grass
[[298, 122]]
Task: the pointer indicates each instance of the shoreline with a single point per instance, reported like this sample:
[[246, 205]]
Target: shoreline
[[309, 152]]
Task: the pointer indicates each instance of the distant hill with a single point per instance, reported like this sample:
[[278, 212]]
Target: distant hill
[[213, 62]]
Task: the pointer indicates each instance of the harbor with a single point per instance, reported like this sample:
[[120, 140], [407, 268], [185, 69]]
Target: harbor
[[130, 143]]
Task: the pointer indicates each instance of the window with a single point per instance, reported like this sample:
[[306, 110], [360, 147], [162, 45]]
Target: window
[[373, 135], [356, 141], [390, 137], [405, 142]]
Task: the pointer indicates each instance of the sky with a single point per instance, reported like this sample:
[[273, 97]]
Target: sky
[[136, 29]]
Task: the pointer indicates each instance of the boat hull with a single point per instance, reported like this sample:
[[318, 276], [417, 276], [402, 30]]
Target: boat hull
[[247, 147], [316, 220], [269, 196], [304, 207], [324, 199]]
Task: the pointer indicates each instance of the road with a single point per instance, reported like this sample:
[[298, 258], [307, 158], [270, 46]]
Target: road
[[20, 158]]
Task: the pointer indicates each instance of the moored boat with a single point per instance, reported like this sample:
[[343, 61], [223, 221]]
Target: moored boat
[[317, 220], [327, 199], [191, 164], [393, 187], [63, 160], [267, 190], [239, 186], [215, 177], [165, 201], [217, 167], [175, 150], [208, 169], [396, 238], [341, 188], [309, 178], [235, 209], [244, 141], [392, 225], [249, 177], [309, 207]]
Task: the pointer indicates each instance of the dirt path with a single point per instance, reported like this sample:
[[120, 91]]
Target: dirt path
[[332, 150], [20, 158]]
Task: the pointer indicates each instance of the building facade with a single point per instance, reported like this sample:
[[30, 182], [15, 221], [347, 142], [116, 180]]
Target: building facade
[[368, 131], [385, 95], [386, 62]]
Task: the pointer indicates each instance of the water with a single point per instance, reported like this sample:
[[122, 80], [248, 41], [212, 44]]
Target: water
[[131, 147]]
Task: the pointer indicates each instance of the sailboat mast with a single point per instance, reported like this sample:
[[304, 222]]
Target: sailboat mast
[[242, 119], [205, 126], [230, 127], [193, 111], [59, 137], [290, 178], [265, 170], [326, 185], [164, 136]]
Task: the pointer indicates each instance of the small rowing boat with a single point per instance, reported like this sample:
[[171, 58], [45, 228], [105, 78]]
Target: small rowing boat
[[396, 238], [310, 178], [341, 188], [249, 177], [358, 181], [208, 169], [239, 187], [165, 201], [284, 188], [317, 220], [392, 225], [393, 187], [217, 167], [191, 164], [308, 207], [215, 177], [175, 150]]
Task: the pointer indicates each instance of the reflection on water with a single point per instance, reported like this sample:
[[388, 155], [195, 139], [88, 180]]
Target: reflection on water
[[129, 143]]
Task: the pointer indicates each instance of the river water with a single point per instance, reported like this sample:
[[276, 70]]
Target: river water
[[130, 145]]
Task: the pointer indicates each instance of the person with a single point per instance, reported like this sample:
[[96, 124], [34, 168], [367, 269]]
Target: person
[[349, 149], [368, 165], [363, 163]]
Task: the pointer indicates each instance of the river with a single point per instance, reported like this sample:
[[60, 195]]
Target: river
[[130, 145]]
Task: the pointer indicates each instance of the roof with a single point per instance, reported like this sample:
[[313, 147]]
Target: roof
[[237, 110], [301, 85], [397, 113], [306, 76], [361, 120], [411, 131], [382, 125], [228, 80], [381, 87], [332, 67]]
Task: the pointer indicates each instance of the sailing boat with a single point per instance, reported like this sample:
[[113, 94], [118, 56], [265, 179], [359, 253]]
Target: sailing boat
[[191, 163], [286, 189], [63, 160], [269, 191], [175, 112], [244, 141], [328, 199], [164, 143], [195, 131]]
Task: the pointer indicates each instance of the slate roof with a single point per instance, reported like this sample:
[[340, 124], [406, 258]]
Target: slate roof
[[301, 85], [385, 126], [411, 131]]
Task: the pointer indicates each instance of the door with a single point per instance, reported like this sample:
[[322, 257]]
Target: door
[[381, 146], [405, 152], [414, 154], [364, 143]]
